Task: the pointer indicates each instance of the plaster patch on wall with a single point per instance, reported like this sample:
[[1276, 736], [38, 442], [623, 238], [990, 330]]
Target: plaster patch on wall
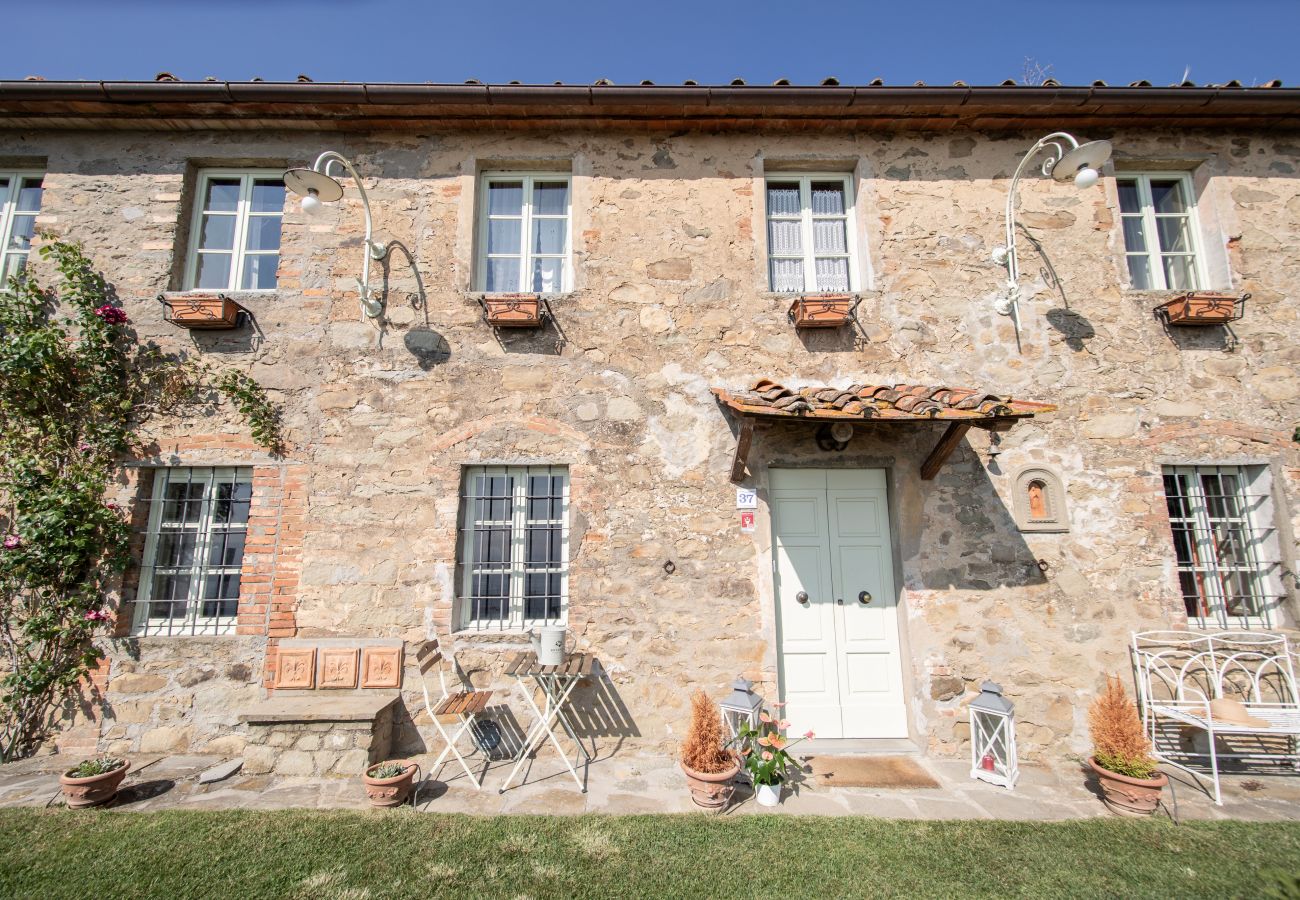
[[682, 436]]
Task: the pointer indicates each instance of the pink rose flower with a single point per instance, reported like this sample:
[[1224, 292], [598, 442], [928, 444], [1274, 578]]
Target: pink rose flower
[[111, 314], [12, 541], [111, 505], [95, 615]]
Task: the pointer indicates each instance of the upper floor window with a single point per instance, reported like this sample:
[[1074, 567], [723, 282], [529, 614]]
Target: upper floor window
[[235, 238], [524, 244], [810, 242], [20, 201], [1158, 212], [1225, 544], [193, 551], [514, 546]]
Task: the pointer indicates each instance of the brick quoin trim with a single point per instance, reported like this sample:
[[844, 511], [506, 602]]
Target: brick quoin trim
[[268, 595]]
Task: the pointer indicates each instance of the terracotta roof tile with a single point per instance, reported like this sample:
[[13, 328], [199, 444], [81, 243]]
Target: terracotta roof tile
[[876, 401]]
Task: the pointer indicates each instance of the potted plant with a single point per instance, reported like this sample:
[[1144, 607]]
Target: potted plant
[[1121, 755], [93, 782], [389, 783], [766, 753], [709, 766]]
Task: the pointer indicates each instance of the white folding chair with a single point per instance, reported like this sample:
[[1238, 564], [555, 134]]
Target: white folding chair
[[451, 708]]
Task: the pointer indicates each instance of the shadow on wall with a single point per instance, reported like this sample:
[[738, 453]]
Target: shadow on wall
[[428, 346]]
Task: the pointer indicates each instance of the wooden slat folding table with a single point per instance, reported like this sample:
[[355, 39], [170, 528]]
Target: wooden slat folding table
[[557, 684]]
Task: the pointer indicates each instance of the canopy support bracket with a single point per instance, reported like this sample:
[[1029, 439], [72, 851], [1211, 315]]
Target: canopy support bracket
[[942, 450]]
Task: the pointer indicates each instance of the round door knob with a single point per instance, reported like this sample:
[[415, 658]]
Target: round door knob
[[864, 598], [802, 597]]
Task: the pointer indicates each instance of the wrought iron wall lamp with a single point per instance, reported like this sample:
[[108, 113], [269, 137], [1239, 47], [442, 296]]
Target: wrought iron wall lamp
[[316, 187]]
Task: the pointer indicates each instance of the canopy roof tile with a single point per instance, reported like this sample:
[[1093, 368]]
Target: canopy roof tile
[[905, 402]]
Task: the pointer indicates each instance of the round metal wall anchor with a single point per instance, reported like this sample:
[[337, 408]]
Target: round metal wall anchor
[[802, 597], [670, 567], [864, 598]]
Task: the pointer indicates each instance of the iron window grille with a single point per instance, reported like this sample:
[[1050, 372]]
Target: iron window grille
[[20, 202], [514, 546], [1225, 544], [196, 526]]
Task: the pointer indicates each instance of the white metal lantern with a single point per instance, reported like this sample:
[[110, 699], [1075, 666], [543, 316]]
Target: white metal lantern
[[742, 705], [993, 737]]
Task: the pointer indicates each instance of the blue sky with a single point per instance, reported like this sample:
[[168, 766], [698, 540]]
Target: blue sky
[[902, 41]]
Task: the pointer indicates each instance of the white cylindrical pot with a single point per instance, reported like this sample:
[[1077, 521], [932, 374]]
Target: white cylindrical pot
[[549, 644], [768, 794]]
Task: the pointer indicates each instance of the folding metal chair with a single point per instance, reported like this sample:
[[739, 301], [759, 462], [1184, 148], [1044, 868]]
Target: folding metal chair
[[452, 707]]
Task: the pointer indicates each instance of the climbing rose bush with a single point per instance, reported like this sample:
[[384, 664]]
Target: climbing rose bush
[[75, 387]]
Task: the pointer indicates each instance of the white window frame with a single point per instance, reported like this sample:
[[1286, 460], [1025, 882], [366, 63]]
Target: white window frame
[[810, 255], [515, 619], [1262, 550], [241, 214], [8, 210], [192, 623], [1151, 234], [526, 255]]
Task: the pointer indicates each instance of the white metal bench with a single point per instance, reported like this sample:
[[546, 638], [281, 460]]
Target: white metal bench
[[1180, 672]]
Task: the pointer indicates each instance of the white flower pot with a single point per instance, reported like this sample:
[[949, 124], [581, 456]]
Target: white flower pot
[[768, 794]]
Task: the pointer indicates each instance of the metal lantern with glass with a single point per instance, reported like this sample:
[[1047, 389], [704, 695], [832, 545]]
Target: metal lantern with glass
[[741, 706], [993, 737]]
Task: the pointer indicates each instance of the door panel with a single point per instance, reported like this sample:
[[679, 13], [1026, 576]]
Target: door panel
[[860, 640], [808, 643]]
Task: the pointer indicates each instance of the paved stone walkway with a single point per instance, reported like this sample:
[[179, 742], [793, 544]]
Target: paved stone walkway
[[623, 785]]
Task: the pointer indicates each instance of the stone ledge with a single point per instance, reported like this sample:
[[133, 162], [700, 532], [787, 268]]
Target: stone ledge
[[315, 708]]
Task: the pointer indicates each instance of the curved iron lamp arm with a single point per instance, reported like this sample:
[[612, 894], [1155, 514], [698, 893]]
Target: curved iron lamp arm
[[373, 306]]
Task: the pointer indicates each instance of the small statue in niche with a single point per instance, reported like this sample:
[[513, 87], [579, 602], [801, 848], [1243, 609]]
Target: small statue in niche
[[1037, 500]]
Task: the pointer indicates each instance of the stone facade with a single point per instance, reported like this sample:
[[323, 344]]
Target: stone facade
[[670, 299]]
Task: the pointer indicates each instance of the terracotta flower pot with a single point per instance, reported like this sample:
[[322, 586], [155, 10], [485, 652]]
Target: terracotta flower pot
[[712, 790], [1129, 796], [94, 790], [389, 791]]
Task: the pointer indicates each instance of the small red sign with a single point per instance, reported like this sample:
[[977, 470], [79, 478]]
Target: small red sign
[[747, 522]]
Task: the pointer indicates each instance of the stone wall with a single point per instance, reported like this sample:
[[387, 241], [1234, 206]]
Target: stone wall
[[670, 299]]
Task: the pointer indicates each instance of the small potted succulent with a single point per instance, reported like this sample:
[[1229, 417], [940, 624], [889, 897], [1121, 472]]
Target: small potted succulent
[[389, 783], [93, 782], [1121, 755], [710, 767], [766, 754]]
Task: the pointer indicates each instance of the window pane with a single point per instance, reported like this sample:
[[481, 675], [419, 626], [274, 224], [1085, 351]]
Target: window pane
[[29, 195], [168, 588], [218, 233], [787, 275], [784, 237], [506, 198], [4, 190], [504, 235], [222, 586], [226, 548], [502, 275], [214, 270], [783, 199], [827, 198], [829, 236], [183, 501], [545, 497], [1139, 272], [1180, 273], [548, 235], [550, 198], [1167, 196], [232, 502], [222, 195], [1175, 235], [24, 227], [1130, 200], [548, 276], [263, 233], [259, 272], [176, 549], [12, 264], [1134, 236], [832, 275], [268, 196]]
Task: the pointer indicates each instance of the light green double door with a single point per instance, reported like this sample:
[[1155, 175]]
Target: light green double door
[[837, 612]]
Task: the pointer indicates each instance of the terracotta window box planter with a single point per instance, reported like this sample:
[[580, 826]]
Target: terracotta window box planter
[[1203, 308], [513, 310], [207, 311], [822, 310]]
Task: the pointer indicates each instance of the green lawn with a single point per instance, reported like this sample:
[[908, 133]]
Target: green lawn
[[322, 855]]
